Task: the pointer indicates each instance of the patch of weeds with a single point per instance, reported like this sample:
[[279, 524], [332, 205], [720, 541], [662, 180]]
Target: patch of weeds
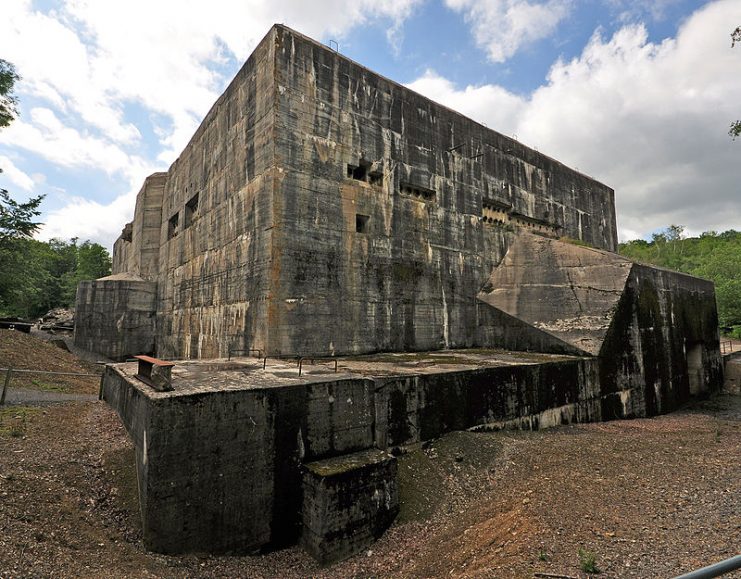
[[542, 556], [13, 420], [588, 561], [48, 387]]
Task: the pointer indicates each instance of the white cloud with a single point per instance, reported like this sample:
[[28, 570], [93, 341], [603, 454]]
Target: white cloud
[[14, 175], [85, 64], [108, 54], [648, 119], [502, 27], [49, 137], [491, 104], [87, 219]]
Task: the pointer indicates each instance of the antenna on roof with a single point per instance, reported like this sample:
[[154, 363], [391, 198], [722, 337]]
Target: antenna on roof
[[337, 46]]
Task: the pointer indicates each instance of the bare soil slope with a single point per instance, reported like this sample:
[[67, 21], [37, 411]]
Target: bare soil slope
[[27, 352]]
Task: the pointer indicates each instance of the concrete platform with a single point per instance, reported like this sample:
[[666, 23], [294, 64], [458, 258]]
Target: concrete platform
[[220, 457], [247, 373]]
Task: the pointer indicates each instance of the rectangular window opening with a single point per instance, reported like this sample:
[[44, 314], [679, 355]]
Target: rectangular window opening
[[418, 192], [358, 172], [375, 178], [191, 211], [361, 223], [173, 226]]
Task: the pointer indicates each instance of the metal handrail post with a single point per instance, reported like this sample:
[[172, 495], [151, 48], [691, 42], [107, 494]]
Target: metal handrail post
[[8, 373]]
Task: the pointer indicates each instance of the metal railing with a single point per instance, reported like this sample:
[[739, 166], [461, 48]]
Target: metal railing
[[726, 347], [300, 360], [715, 570], [248, 351], [313, 360]]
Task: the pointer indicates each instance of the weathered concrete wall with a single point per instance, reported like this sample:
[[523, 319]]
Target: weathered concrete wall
[[564, 290], [136, 251], [393, 261], [322, 209], [410, 410], [654, 331], [216, 231], [349, 502], [220, 470], [114, 316], [732, 373], [662, 346]]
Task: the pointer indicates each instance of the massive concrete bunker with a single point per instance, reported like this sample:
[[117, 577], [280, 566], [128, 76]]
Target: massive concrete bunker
[[321, 210]]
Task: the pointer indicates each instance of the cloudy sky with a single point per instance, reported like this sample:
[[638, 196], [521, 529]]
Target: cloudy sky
[[638, 94]]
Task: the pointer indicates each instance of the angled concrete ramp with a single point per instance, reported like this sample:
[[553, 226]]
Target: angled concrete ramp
[[566, 291]]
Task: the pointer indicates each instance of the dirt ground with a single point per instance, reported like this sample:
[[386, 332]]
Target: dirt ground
[[643, 498], [27, 352]]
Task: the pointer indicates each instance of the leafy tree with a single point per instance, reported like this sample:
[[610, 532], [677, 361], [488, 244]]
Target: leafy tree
[[735, 129], [93, 261], [17, 225], [16, 219], [8, 101], [44, 275]]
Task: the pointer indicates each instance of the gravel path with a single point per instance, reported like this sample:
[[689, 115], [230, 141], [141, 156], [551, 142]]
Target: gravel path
[[20, 396]]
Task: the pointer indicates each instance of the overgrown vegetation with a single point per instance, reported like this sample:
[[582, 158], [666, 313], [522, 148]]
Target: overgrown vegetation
[[713, 256]]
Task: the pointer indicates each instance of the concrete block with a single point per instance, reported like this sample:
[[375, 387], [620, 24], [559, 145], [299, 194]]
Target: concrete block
[[349, 501]]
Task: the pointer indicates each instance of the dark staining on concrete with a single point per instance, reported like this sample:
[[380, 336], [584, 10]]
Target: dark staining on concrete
[[348, 503], [321, 210]]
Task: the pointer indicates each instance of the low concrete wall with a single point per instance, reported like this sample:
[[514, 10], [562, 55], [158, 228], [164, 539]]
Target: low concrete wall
[[662, 347], [221, 470]]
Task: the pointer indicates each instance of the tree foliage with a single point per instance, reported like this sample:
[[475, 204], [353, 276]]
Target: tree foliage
[[28, 274], [38, 276], [8, 101], [17, 219], [713, 256], [735, 129]]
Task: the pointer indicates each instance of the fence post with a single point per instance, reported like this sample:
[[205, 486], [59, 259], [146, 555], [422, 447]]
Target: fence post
[[5, 385]]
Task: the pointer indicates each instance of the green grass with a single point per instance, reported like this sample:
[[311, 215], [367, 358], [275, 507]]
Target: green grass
[[14, 420], [588, 561], [47, 387]]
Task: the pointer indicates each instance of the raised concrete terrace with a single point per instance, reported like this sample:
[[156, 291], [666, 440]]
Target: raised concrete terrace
[[247, 373], [221, 457]]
